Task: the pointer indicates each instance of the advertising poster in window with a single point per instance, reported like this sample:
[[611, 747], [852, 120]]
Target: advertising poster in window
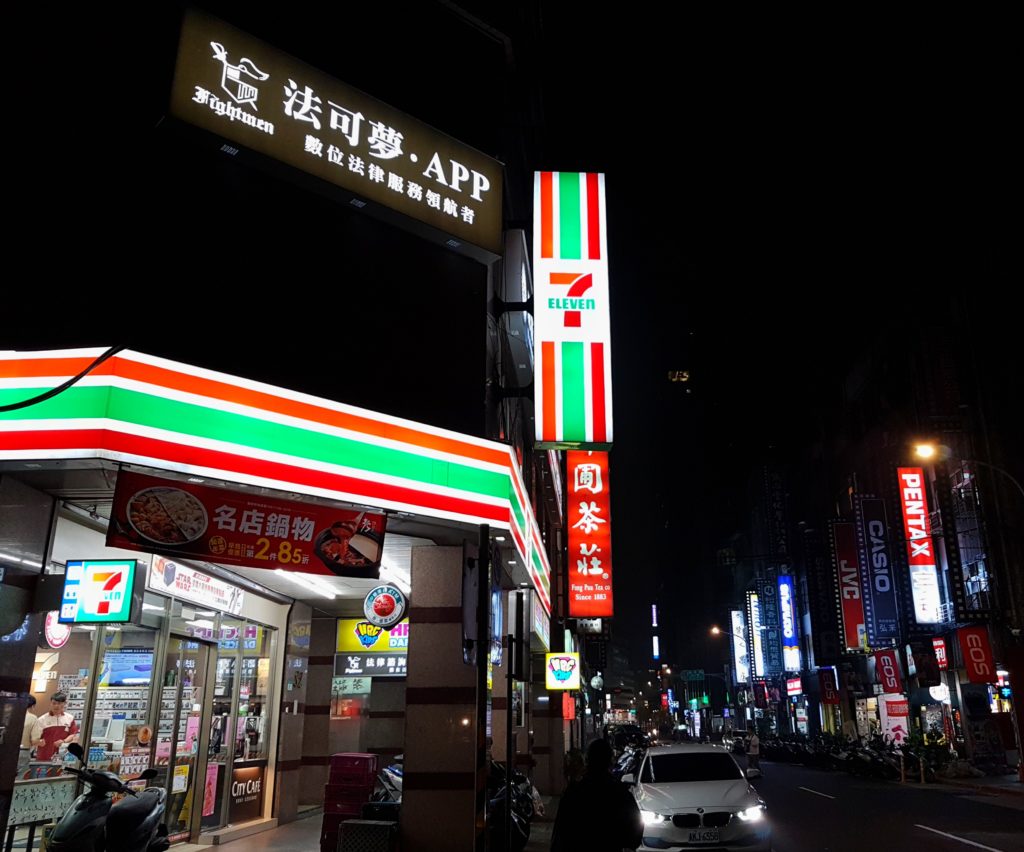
[[193, 520]]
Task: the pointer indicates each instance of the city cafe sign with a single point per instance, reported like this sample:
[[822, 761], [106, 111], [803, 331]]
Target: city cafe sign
[[243, 90]]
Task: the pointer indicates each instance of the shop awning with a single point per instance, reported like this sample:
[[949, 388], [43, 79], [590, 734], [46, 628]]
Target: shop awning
[[139, 409]]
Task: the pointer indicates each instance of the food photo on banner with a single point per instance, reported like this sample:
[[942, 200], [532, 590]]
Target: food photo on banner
[[217, 525]]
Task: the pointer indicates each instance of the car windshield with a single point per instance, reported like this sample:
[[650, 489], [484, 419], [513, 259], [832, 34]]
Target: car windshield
[[701, 766]]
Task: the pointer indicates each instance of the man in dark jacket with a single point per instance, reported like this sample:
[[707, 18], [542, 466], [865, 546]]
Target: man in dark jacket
[[599, 814]]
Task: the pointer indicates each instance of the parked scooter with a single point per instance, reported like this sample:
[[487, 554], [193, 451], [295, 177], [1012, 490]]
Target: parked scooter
[[95, 823]]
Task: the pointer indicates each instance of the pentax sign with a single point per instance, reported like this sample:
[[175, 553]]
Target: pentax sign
[[924, 578], [590, 535], [243, 90]]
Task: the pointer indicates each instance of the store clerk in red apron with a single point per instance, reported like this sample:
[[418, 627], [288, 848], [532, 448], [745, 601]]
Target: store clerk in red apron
[[54, 729]]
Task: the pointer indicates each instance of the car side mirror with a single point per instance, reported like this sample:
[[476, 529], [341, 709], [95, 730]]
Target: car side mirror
[[753, 773], [629, 779]]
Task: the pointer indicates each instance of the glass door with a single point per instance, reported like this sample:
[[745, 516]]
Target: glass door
[[180, 733], [222, 731]]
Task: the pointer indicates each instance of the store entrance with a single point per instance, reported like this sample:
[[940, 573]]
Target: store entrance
[[181, 736]]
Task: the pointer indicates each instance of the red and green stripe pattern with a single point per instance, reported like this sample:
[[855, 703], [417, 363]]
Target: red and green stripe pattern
[[572, 325], [149, 411], [571, 215]]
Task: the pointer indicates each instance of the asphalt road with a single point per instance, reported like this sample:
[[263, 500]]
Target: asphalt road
[[819, 811]]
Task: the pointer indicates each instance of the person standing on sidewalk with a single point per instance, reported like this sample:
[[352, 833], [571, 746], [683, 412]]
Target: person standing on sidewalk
[[598, 814], [754, 752]]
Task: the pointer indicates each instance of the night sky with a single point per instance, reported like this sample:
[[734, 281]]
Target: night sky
[[780, 191]]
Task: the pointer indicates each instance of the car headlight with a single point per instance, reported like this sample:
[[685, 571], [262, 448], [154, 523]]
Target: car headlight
[[751, 814], [651, 818]]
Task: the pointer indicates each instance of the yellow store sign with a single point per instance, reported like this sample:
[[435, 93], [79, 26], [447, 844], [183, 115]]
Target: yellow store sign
[[359, 636]]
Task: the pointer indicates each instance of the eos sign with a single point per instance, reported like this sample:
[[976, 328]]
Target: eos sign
[[977, 653], [887, 669]]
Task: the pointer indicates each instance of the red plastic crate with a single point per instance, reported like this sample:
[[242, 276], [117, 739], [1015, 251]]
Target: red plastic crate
[[356, 762], [350, 809], [347, 793], [352, 778], [332, 824]]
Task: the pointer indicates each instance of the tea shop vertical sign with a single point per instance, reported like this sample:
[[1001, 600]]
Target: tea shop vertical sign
[[590, 536]]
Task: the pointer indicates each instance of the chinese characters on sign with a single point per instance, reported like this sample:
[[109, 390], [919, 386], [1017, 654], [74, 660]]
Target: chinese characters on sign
[[236, 529], [590, 537], [188, 584], [235, 86]]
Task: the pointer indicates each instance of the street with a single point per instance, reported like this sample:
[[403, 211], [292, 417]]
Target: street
[[818, 811]]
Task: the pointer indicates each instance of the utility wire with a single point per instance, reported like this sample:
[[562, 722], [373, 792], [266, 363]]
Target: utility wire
[[25, 403]]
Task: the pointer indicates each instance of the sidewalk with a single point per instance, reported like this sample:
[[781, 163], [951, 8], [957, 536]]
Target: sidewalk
[[998, 785], [541, 827]]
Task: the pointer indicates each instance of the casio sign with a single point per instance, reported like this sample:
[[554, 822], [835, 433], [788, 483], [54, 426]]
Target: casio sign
[[879, 558]]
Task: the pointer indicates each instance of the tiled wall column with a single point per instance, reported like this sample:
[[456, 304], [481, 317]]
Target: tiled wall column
[[438, 795], [385, 724], [293, 713], [316, 726]]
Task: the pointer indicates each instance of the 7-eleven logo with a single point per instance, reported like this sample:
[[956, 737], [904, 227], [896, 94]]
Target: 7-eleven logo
[[574, 302], [107, 587]]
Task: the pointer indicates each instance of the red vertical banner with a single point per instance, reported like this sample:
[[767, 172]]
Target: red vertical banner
[[568, 706], [917, 530], [827, 686], [887, 670], [977, 654], [846, 562], [590, 535], [941, 656]]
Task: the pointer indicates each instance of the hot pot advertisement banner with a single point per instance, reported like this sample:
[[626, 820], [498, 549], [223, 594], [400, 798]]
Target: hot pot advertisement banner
[[590, 535], [192, 520]]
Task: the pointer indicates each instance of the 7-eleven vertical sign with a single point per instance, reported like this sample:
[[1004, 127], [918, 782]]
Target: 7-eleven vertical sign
[[572, 329]]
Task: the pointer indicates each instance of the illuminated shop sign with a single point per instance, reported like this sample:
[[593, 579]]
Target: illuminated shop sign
[[740, 655], [217, 525], [98, 590], [754, 617], [887, 671], [357, 635], [977, 654], [924, 579], [174, 578], [562, 671], [572, 320], [590, 535], [941, 657], [847, 576], [790, 631], [794, 686], [241, 89], [876, 572]]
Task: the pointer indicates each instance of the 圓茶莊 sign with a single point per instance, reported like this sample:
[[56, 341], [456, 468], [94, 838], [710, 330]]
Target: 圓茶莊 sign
[[590, 536], [572, 317], [98, 590], [233, 85]]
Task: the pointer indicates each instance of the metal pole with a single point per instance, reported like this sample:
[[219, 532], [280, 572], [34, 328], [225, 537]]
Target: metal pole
[[483, 628], [508, 741]]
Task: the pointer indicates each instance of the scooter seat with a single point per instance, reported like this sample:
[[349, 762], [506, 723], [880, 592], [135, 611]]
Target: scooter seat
[[135, 817]]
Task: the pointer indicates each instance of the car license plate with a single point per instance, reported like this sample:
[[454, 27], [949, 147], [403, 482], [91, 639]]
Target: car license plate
[[703, 835]]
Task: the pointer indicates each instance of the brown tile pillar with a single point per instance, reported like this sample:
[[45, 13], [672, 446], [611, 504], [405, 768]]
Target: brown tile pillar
[[293, 713]]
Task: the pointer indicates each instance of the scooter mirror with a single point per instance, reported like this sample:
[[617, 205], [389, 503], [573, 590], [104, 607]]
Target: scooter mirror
[[147, 774], [77, 751]]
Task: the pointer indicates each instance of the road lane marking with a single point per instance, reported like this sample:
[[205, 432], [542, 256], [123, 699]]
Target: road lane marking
[[961, 839], [816, 793]]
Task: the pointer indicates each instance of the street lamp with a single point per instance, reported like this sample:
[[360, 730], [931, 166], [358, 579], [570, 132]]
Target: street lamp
[[929, 451]]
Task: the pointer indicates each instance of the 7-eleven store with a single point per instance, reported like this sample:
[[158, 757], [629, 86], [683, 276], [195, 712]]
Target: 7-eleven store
[[271, 659]]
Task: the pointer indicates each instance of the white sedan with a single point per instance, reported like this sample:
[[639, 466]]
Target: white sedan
[[694, 796]]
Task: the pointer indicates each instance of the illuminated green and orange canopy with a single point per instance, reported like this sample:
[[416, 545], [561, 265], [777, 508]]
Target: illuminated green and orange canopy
[[139, 409]]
